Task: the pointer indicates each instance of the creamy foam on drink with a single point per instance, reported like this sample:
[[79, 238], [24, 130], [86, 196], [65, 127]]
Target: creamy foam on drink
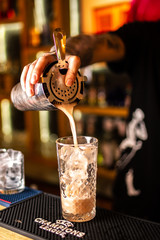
[[68, 110]]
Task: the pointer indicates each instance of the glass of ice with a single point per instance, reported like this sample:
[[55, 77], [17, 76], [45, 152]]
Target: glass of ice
[[77, 167], [11, 171]]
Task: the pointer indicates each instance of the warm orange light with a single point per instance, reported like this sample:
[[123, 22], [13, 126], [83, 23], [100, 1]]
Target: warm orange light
[[111, 17]]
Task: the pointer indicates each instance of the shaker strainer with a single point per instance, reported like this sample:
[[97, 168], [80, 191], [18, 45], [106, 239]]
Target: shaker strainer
[[52, 90]]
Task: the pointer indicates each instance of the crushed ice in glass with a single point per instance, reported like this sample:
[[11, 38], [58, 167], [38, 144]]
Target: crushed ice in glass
[[74, 165]]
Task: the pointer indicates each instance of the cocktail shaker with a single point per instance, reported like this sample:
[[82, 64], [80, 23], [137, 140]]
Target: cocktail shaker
[[51, 90]]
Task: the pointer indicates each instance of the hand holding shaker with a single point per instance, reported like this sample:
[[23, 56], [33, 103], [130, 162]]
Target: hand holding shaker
[[52, 90]]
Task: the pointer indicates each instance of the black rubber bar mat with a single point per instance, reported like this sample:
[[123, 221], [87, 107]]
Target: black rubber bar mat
[[44, 211]]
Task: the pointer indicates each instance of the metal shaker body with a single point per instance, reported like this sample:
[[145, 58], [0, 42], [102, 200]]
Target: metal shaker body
[[22, 102], [52, 89]]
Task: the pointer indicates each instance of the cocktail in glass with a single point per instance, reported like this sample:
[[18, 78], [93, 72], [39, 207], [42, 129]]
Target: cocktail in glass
[[77, 176]]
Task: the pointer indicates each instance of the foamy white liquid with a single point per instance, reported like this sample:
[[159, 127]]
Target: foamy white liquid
[[68, 110]]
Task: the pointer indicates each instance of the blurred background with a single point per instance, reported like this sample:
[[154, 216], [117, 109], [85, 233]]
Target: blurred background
[[26, 29]]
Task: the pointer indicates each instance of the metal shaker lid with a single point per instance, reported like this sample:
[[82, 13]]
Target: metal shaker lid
[[53, 77], [55, 89]]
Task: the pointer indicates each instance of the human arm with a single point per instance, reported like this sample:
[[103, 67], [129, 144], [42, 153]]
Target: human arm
[[81, 50], [96, 48]]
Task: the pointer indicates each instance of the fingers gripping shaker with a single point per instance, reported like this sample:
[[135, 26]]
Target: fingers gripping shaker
[[52, 90]]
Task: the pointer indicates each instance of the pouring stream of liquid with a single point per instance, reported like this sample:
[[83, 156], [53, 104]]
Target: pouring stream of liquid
[[68, 110]]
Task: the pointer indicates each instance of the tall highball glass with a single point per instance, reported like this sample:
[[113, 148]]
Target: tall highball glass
[[77, 167]]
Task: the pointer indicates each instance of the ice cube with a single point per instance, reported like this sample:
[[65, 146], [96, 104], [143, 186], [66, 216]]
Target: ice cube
[[3, 157], [90, 153], [65, 152], [15, 155], [13, 175], [77, 164]]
